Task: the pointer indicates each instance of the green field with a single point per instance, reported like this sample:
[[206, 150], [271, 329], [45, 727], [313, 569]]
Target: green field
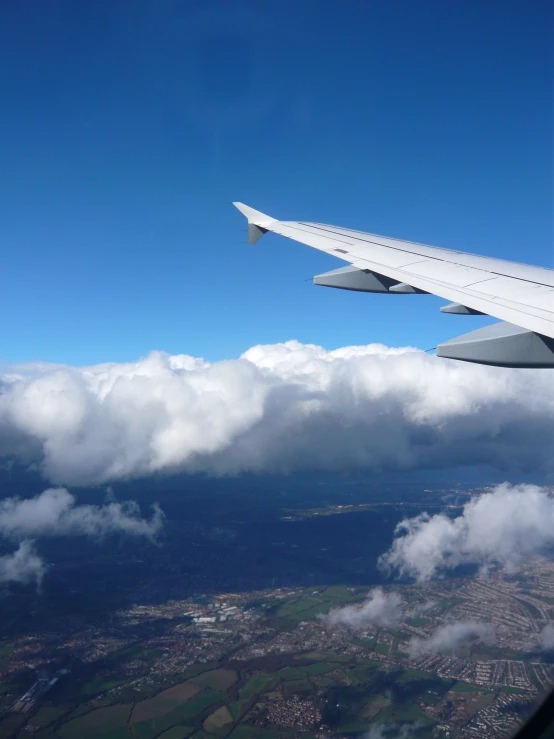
[[404, 713], [465, 688], [216, 679], [309, 606], [101, 685], [418, 621], [98, 723], [47, 715], [365, 643], [259, 684], [294, 673], [195, 670], [255, 732], [150, 728], [178, 732], [383, 649], [218, 721], [324, 657], [164, 702], [240, 707], [134, 652], [297, 686]]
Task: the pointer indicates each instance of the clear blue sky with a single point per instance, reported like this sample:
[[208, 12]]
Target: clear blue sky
[[128, 127]]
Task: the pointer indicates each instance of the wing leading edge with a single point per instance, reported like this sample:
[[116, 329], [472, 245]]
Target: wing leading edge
[[520, 295]]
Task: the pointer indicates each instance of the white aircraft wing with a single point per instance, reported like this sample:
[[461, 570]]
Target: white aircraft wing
[[520, 295]]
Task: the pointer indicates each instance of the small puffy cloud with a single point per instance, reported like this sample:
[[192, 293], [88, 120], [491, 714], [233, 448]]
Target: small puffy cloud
[[380, 609], [451, 636], [277, 408], [54, 513], [546, 637], [496, 528], [22, 566]]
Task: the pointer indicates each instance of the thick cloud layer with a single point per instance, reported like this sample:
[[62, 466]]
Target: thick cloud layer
[[449, 637], [277, 408], [495, 528], [380, 609], [23, 566], [54, 513]]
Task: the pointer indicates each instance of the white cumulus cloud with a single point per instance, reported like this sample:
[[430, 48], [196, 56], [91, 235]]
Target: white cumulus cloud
[[23, 566], [380, 609], [54, 513], [495, 528], [277, 408], [451, 636]]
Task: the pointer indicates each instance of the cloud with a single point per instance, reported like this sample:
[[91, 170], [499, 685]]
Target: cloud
[[390, 730], [23, 566], [451, 636], [546, 637], [380, 609], [54, 513], [277, 408], [495, 528]]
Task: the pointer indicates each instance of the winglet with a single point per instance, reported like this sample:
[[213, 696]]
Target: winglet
[[258, 223]]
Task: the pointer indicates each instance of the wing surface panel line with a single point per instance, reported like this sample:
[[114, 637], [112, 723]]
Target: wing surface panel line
[[436, 258], [495, 307]]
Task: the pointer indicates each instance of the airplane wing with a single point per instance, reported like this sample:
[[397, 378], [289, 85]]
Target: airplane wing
[[520, 295]]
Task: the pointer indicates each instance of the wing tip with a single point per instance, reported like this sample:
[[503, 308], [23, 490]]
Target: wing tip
[[254, 216]]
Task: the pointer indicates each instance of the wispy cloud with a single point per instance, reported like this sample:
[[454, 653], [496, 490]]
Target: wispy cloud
[[55, 513], [451, 636], [23, 566], [546, 637], [380, 609], [389, 731]]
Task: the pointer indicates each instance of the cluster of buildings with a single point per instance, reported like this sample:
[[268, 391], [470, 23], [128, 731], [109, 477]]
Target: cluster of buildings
[[218, 612], [500, 719], [292, 712], [201, 629]]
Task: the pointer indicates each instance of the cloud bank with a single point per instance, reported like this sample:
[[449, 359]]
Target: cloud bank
[[496, 528], [449, 637], [55, 513], [277, 408], [380, 609]]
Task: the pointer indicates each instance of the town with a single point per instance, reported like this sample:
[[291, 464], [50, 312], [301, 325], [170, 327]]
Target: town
[[147, 647]]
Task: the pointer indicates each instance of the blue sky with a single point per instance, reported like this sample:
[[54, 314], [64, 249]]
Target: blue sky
[[128, 129]]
